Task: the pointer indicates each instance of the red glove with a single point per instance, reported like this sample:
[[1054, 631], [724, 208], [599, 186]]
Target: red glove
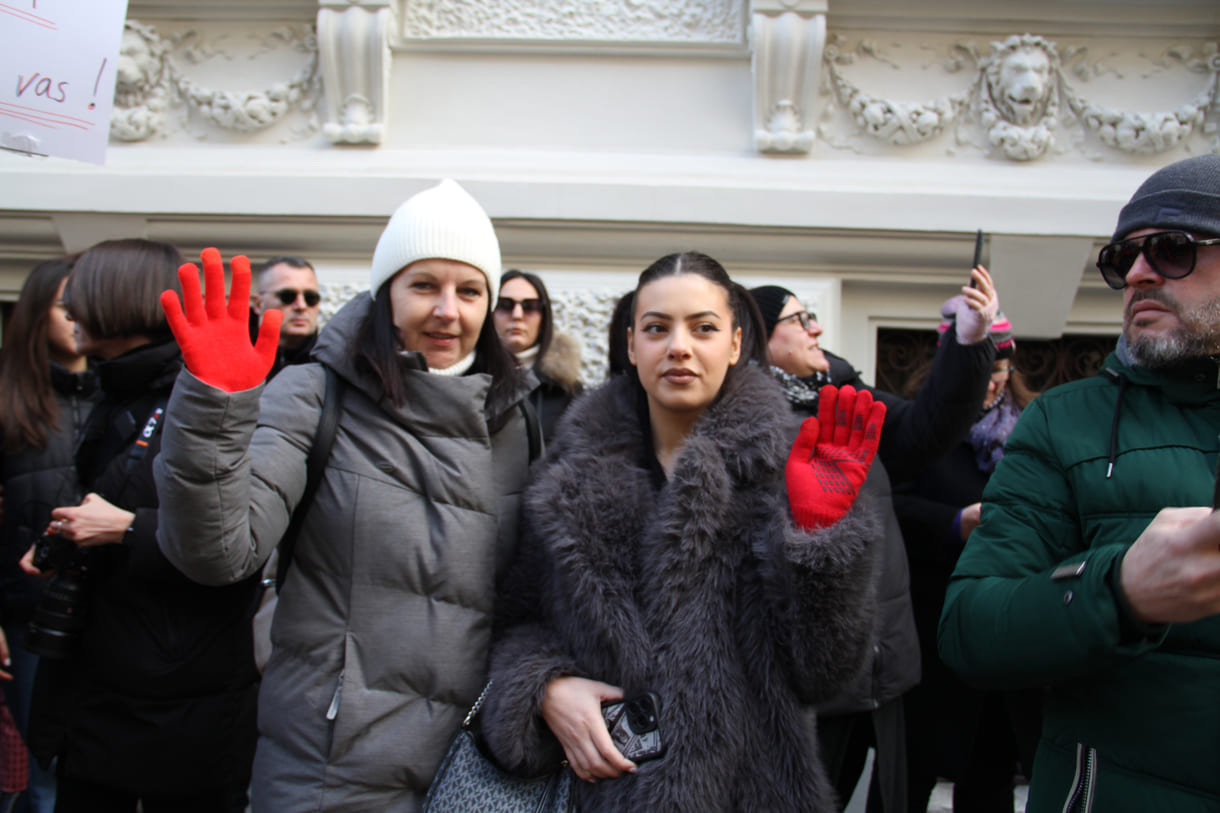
[[831, 456], [215, 338]]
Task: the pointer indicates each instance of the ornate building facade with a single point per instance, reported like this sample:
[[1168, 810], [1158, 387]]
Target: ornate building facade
[[848, 149]]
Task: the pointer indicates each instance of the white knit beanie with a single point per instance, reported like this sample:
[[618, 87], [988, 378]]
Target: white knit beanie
[[443, 222]]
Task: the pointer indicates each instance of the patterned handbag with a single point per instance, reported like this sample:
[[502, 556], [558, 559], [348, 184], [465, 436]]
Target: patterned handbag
[[468, 782]]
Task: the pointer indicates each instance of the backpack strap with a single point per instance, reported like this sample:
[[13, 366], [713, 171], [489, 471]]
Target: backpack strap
[[533, 428], [319, 453]]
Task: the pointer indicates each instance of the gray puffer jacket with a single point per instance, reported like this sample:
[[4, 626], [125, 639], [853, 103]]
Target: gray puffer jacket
[[383, 626]]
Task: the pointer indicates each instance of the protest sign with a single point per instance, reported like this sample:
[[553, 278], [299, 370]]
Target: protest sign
[[58, 62]]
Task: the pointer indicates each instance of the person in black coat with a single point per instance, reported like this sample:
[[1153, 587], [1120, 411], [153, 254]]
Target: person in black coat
[[974, 738], [152, 702], [290, 285], [46, 392], [526, 324], [917, 431]]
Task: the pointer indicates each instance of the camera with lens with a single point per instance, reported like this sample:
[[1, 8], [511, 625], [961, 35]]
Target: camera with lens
[[59, 617]]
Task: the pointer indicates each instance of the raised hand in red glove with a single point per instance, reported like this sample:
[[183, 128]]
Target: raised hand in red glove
[[832, 455], [215, 337]]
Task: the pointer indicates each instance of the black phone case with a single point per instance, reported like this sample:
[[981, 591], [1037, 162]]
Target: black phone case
[[635, 726]]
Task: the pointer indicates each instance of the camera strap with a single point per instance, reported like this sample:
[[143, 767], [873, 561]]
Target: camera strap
[[151, 427]]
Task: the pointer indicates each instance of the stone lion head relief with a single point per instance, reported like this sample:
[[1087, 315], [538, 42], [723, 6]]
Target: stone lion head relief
[[1023, 85], [1019, 99], [1020, 75]]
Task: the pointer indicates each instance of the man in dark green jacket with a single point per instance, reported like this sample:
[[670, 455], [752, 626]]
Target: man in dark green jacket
[[1096, 570]]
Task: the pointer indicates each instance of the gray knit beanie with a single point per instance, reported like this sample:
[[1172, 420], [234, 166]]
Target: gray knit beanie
[[1184, 195], [445, 223]]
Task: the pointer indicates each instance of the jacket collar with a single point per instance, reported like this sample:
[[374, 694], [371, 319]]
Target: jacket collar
[[65, 382], [1190, 382], [133, 374]]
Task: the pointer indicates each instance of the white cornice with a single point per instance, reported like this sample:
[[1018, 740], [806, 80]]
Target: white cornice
[[1049, 17], [933, 196], [223, 10]]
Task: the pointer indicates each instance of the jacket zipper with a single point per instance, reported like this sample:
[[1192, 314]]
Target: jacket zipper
[[333, 711], [1081, 798]]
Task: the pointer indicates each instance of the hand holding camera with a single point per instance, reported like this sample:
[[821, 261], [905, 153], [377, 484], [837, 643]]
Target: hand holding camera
[[59, 616]]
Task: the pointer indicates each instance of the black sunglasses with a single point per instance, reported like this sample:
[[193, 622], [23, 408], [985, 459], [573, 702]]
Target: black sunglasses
[[1171, 254], [506, 304], [289, 295], [804, 317]]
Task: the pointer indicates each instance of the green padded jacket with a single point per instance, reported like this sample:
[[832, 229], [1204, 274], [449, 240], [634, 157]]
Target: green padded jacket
[[1131, 718]]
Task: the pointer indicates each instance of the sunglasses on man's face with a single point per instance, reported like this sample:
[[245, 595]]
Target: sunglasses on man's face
[[1171, 254], [289, 295], [804, 317], [506, 305]]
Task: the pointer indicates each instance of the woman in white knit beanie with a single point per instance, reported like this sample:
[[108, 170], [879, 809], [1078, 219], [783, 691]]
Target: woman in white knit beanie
[[380, 636]]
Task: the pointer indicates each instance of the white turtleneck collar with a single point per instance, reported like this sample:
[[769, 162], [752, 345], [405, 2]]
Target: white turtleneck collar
[[457, 368], [527, 357]]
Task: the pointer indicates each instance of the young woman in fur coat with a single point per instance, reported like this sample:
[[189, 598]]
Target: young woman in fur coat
[[662, 554]]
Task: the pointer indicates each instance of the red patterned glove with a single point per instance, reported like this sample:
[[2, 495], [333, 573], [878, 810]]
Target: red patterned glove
[[215, 337], [831, 456]]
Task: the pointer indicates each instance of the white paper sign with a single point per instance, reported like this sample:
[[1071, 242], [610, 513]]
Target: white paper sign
[[57, 72]]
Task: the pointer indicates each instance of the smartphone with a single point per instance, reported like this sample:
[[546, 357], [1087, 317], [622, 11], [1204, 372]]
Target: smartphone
[[978, 253], [635, 726]]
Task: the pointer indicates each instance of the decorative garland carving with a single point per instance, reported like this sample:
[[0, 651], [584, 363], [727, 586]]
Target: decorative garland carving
[[1157, 132], [1017, 95], [148, 79], [693, 21], [141, 87]]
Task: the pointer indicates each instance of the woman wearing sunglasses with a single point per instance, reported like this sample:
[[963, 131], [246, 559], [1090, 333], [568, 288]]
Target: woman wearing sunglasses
[[526, 325], [380, 639]]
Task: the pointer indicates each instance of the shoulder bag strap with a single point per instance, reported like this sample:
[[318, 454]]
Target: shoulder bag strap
[[533, 428], [319, 452]]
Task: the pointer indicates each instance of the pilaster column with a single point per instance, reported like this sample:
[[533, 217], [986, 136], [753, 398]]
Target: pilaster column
[[354, 52], [787, 38]]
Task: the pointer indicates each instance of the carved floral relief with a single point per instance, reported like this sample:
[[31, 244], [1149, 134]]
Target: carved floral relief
[[690, 21], [1021, 94], [154, 75]]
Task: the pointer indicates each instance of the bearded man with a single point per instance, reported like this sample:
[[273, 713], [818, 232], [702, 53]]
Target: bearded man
[[1095, 573]]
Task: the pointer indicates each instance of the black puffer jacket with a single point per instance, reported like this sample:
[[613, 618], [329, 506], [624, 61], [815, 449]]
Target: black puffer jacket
[[160, 695], [558, 374], [916, 432], [35, 481]]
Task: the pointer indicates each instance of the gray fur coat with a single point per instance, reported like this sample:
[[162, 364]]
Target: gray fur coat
[[702, 591]]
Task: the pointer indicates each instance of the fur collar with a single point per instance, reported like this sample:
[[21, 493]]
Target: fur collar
[[750, 427], [561, 363], [640, 562]]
